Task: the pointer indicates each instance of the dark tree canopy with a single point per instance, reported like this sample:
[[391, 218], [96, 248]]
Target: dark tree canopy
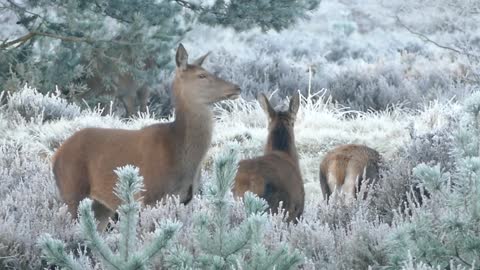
[[82, 44]]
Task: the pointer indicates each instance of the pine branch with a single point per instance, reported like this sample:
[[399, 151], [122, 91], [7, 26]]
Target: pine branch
[[189, 5], [27, 37], [109, 14], [130, 184], [162, 238], [89, 230], [20, 41], [54, 252], [16, 6]]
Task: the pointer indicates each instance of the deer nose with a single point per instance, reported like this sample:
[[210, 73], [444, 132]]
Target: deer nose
[[237, 88]]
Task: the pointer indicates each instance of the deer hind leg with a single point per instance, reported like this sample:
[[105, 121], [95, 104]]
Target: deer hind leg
[[129, 103], [73, 187], [102, 214], [142, 96], [326, 192], [353, 179], [72, 199]]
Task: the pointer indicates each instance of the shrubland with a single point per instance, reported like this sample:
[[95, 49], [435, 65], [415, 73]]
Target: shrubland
[[428, 171], [399, 77]]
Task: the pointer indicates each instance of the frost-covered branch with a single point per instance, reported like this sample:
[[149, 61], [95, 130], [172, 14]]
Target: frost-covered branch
[[429, 40], [130, 256], [223, 245]]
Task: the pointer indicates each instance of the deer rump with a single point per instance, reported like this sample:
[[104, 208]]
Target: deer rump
[[274, 178], [348, 167]]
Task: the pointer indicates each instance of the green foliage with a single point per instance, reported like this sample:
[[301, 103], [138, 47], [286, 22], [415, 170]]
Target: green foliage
[[54, 252], [223, 244], [444, 232], [267, 14], [130, 256], [82, 44]]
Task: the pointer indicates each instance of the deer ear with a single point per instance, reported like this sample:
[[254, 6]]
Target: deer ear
[[200, 60], [181, 58], [294, 105], [265, 104]]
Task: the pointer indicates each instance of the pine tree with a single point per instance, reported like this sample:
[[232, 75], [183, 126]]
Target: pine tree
[[68, 42], [223, 245], [129, 256]]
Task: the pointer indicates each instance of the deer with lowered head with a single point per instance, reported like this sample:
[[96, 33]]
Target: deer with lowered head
[[132, 92], [275, 176], [169, 155], [346, 167]]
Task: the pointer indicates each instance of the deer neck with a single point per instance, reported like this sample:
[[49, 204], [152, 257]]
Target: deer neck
[[281, 139], [193, 130]]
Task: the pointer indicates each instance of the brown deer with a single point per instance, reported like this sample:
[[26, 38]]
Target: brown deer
[[169, 155], [346, 167], [275, 176], [133, 94]]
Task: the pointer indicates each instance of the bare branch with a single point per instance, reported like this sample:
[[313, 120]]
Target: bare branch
[[21, 40], [429, 40], [188, 5], [18, 41], [16, 6]]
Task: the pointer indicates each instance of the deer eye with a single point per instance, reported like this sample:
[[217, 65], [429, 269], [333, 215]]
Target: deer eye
[[202, 76]]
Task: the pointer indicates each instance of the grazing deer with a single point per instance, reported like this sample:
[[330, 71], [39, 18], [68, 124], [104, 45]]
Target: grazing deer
[[133, 94], [346, 167], [275, 176], [169, 155]]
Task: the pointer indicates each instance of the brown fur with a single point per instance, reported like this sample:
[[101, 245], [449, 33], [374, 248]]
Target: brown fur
[[130, 91], [169, 155], [133, 96], [342, 165], [275, 176]]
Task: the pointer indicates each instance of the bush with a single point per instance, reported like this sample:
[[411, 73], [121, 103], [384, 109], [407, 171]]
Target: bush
[[444, 231], [32, 105]]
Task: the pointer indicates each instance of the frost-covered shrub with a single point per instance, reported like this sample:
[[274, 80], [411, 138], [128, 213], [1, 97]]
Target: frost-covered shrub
[[28, 205], [397, 187], [380, 85], [363, 91], [434, 147], [444, 230], [30, 104], [333, 236]]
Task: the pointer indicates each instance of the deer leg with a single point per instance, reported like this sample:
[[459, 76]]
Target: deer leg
[[129, 103], [142, 96], [102, 214], [350, 185]]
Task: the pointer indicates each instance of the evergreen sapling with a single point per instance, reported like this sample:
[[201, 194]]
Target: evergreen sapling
[[224, 245], [129, 255]]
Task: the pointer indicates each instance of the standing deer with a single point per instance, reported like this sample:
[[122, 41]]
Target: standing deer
[[346, 167], [275, 176], [168, 155]]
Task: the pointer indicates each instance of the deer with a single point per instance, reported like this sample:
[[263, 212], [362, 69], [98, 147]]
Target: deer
[[346, 167], [275, 176], [168, 155], [131, 92], [132, 95]]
